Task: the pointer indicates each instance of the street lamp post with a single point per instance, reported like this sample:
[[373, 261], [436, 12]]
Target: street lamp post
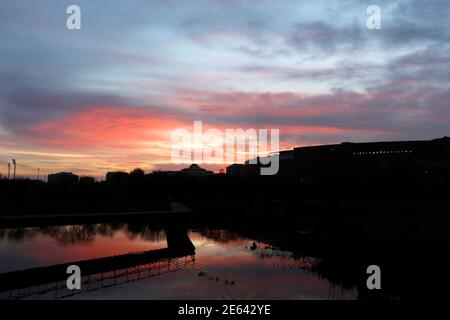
[[14, 164]]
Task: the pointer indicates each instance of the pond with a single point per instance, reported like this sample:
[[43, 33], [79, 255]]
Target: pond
[[226, 265]]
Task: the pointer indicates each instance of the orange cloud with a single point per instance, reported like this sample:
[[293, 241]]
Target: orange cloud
[[105, 128]]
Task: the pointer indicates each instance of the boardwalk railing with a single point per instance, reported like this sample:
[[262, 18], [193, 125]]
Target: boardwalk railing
[[93, 282]]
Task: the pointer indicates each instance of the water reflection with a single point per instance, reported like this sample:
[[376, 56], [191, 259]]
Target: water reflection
[[77, 234], [226, 265]]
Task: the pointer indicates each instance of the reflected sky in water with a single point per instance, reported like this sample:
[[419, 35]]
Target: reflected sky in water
[[226, 266]]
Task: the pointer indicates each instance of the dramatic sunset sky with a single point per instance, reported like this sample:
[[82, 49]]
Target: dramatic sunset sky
[[108, 96]]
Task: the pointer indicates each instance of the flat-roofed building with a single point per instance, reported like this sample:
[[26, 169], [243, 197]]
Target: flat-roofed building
[[117, 177], [415, 161], [63, 178]]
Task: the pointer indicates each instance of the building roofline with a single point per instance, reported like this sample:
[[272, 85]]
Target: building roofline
[[445, 138]]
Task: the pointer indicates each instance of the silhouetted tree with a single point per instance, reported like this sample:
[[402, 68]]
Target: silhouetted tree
[[137, 176]]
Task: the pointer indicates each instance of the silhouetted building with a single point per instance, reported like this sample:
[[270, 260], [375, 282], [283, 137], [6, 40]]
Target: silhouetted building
[[286, 163], [87, 180], [63, 178], [235, 169], [423, 162], [165, 173], [251, 167], [286, 155], [117, 177], [195, 171], [415, 162]]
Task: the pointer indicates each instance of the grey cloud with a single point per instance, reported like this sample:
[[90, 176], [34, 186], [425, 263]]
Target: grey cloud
[[325, 37]]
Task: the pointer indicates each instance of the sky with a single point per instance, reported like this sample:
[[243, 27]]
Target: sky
[[108, 96]]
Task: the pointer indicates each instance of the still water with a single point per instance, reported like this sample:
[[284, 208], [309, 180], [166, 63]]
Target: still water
[[225, 265]]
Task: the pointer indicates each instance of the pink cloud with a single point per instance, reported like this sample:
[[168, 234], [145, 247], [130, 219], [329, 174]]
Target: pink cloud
[[107, 128]]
